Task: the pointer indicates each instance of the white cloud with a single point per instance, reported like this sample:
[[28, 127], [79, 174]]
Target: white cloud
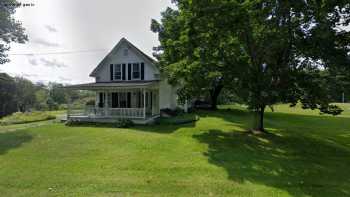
[[51, 28], [33, 62], [52, 63], [64, 79], [29, 75], [65, 25], [45, 43]]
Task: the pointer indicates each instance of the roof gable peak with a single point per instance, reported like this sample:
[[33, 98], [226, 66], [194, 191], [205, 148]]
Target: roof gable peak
[[121, 42]]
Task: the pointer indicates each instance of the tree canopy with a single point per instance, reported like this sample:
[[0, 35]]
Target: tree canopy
[[10, 29], [268, 51]]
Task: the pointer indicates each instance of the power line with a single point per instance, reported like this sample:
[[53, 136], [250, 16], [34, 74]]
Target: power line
[[59, 52]]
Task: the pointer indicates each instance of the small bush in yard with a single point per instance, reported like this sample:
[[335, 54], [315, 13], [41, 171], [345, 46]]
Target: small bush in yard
[[72, 123], [26, 117], [124, 123]]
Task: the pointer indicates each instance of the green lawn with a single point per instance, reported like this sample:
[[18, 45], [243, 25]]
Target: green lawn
[[306, 155]]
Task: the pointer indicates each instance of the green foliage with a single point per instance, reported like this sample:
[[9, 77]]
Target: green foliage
[[57, 93], [124, 123], [20, 94], [71, 123], [120, 123], [183, 118], [180, 65], [25, 94], [41, 96], [11, 30], [52, 105], [7, 95], [27, 117], [265, 51], [91, 102]]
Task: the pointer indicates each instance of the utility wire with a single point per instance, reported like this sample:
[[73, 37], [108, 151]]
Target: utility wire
[[60, 52]]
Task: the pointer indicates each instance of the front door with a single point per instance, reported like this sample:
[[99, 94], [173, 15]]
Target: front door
[[121, 100]]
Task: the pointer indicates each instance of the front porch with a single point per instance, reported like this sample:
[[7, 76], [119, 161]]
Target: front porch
[[113, 102]]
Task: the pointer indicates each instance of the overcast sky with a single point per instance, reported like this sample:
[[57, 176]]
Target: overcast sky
[[78, 25]]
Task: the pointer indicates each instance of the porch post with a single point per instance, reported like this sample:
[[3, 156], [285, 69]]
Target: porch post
[[144, 103], [106, 103], [151, 98]]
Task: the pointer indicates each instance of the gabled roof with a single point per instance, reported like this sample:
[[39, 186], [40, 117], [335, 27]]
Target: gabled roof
[[120, 43]]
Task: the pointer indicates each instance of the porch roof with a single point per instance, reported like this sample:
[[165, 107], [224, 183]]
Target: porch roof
[[114, 85]]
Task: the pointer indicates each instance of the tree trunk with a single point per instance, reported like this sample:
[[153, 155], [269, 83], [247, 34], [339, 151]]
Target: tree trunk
[[259, 119], [214, 94]]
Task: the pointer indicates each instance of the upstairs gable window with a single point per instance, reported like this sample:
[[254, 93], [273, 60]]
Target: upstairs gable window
[[117, 72], [126, 52], [136, 71]]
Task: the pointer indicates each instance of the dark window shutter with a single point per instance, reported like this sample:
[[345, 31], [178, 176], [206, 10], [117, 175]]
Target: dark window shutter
[[142, 71], [129, 71], [129, 100], [124, 66], [111, 71]]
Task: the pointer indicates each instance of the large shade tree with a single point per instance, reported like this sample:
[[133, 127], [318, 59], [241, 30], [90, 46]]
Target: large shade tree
[[271, 51], [194, 61], [10, 29]]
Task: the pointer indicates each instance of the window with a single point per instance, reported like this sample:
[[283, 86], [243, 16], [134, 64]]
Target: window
[[136, 71], [117, 72], [126, 52]]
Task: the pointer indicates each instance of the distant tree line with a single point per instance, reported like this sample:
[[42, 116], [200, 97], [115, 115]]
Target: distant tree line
[[339, 90], [18, 94]]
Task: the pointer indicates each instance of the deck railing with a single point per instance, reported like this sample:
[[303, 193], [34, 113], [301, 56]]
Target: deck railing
[[95, 112]]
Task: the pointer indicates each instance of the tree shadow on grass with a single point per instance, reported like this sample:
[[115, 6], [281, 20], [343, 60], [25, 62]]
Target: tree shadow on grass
[[172, 124], [298, 164], [164, 128], [12, 140], [318, 126], [304, 154]]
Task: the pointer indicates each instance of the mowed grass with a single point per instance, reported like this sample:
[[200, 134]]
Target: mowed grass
[[305, 155]]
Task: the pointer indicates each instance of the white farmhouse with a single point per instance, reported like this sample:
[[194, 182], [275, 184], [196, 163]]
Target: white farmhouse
[[128, 84]]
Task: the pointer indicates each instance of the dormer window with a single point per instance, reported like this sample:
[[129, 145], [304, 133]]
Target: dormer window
[[117, 72], [136, 71]]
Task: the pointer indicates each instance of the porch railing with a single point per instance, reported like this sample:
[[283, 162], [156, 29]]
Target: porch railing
[[95, 112]]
